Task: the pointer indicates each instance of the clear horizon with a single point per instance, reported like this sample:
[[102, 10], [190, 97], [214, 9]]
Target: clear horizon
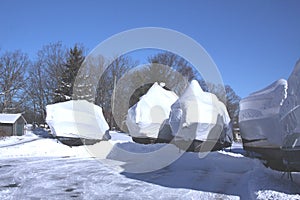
[[253, 43]]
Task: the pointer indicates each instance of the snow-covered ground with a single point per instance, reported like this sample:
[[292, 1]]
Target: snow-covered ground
[[33, 167]]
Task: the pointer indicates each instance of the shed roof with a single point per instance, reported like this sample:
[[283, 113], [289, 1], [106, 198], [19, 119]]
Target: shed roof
[[9, 118]]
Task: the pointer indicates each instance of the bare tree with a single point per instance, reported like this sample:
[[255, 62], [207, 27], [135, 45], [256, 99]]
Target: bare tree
[[218, 90], [52, 58], [38, 91], [13, 67], [44, 75], [107, 83], [230, 99], [233, 107], [175, 62]]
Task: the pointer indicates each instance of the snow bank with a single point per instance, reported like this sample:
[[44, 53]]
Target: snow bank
[[76, 118], [259, 113], [15, 140], [31, 145], [146, 117], [200, 115]]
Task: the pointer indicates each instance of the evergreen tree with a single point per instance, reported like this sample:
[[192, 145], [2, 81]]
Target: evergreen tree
[[74, 60]]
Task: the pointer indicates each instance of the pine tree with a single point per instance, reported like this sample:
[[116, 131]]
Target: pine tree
[[74, 61]]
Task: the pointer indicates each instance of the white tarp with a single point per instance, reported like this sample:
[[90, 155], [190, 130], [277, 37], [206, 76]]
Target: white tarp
[[200, 115], [146, 117], [273, 113], [259, 113], [290, 110], [76, 118]]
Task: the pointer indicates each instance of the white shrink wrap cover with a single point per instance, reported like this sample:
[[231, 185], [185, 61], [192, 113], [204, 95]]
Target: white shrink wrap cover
[[290, 110], [76, 119], [199, 115], [259, 113], [146, 117]]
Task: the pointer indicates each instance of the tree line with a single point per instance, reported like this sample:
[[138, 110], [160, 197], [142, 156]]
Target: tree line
[[28, 86]]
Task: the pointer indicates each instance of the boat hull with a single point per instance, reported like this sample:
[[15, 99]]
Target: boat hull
[[276, 157], [70, 141], [189, 146]]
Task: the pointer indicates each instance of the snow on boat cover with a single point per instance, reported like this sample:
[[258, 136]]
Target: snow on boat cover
[[76, 119]]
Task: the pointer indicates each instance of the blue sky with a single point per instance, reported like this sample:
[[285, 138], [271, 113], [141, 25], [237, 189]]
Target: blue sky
[[252, 42]]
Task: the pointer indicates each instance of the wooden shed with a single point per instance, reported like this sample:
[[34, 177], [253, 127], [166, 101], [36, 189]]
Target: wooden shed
[[11, 124]]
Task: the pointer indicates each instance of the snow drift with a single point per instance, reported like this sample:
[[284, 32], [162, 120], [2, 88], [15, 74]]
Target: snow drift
[[146, 117], [76, 119], [199, 115]]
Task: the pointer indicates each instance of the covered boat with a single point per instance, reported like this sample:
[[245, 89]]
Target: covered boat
[[259, 121], [199, 121], [290, 122], [77, 122], [269, 123], [146, 119]]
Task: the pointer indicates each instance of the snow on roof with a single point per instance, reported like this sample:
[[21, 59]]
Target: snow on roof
[[9, 118]]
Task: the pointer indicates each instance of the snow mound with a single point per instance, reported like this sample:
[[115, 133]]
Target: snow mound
[[76, 118], [39, 147], [15, 140], [31, 145], [146, 117], [200, 115]]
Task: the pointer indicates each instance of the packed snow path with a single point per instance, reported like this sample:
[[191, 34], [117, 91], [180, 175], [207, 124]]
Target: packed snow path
[[85, 179], [66, 178], [29, 171]]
